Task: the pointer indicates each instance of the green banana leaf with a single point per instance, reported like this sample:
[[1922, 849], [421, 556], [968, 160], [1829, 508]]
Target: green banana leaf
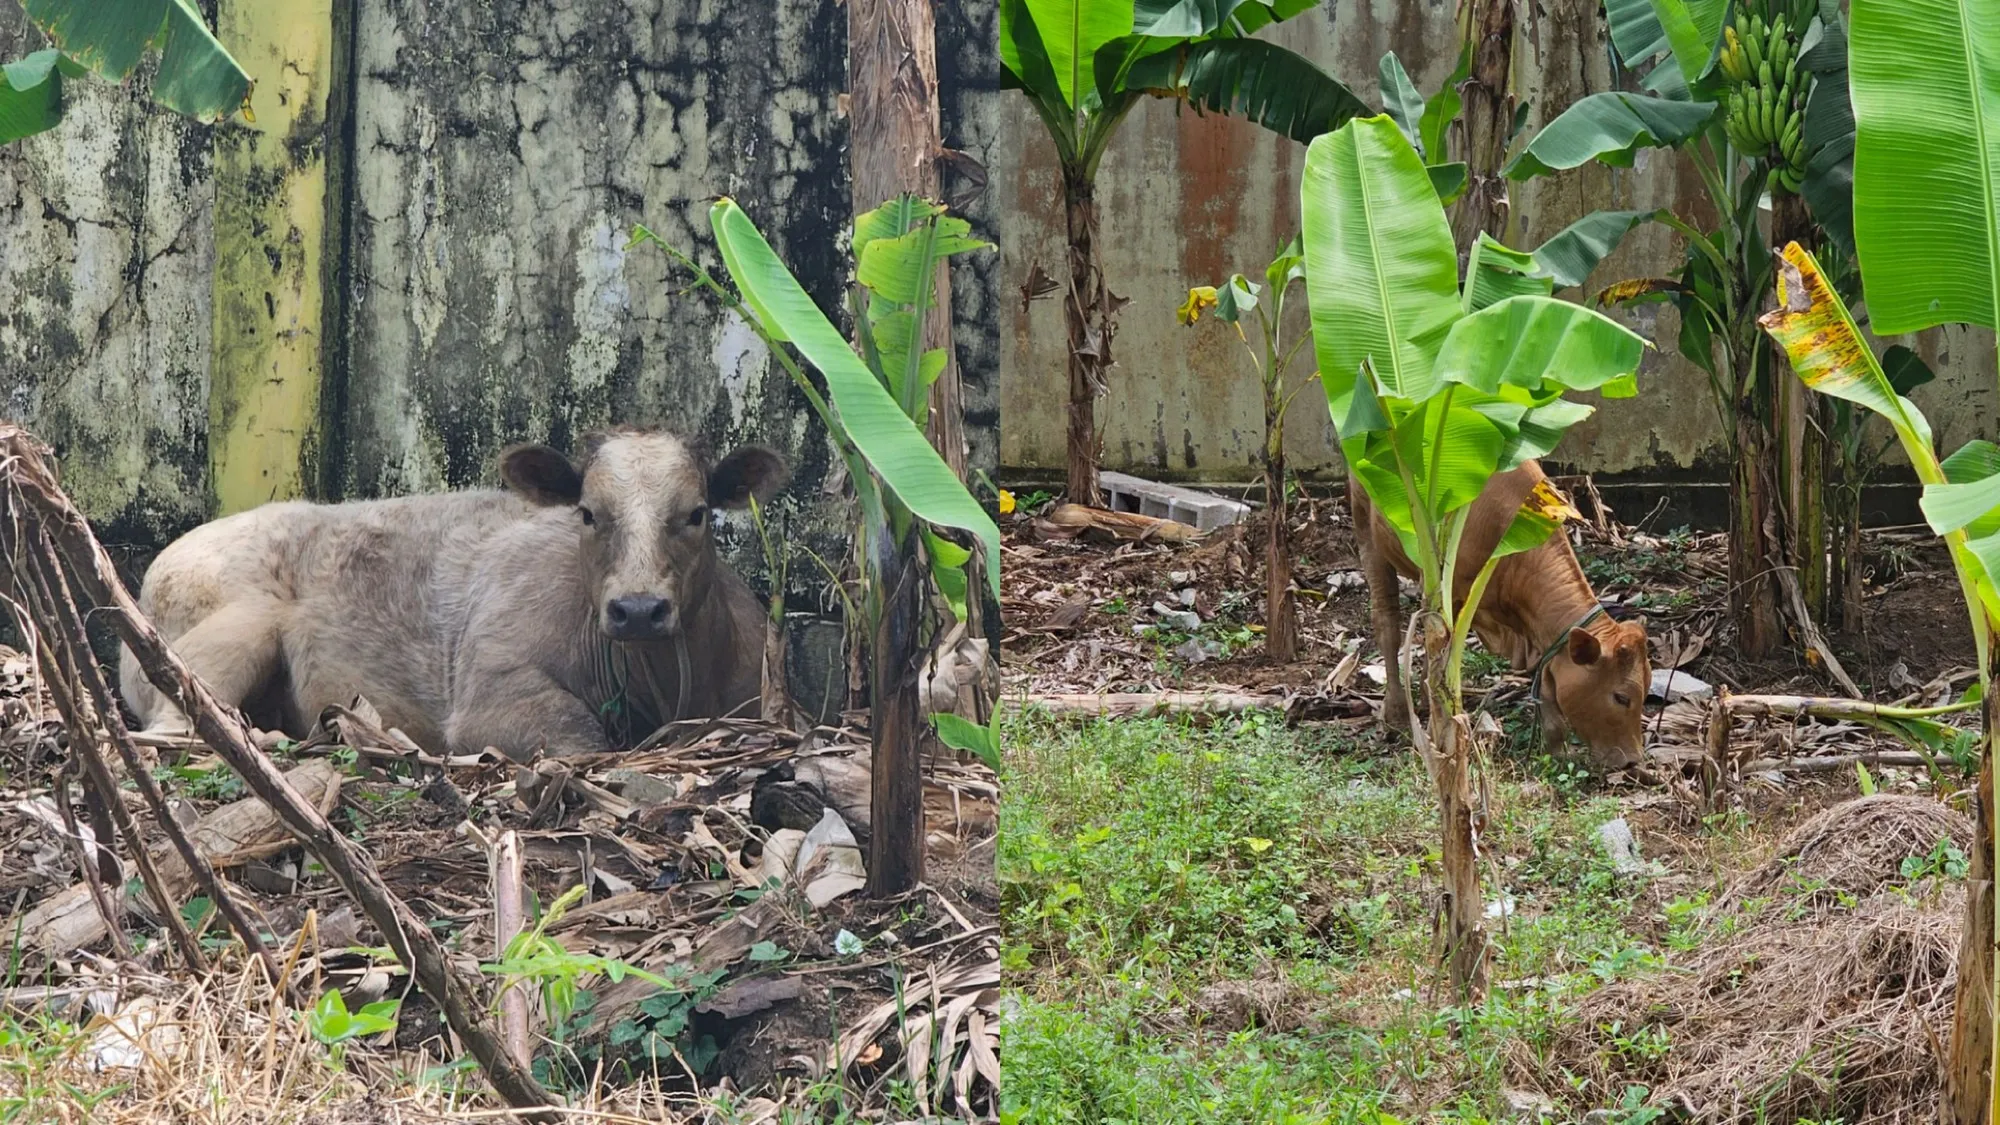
[[1443, 108], [1828, 128], [893, 445], [897, 249], [1609, 128], [1431, 400], [30, 95], [196, 76], [1381, 267], [961, 734], [1925, 83], [1530, 341], [1575, 250], [1071, 32], [1638, 39], [1263, 82], [1193, 19], [1693, 28], [1402, 102]]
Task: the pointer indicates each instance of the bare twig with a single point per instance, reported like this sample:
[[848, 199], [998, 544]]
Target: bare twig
[[1789, 579], [509, 915]]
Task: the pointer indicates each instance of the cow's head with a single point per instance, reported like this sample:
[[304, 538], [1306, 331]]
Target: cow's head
[[1599, 681], [642, 501]]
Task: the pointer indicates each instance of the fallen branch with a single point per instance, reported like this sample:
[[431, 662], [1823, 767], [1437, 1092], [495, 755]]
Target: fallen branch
[[1831, 763], [230, 736], [1789, 579], [509, 916], [1830, 707], [1130, 704]]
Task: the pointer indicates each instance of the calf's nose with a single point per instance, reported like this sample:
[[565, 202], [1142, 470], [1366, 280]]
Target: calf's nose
[[638, 617]]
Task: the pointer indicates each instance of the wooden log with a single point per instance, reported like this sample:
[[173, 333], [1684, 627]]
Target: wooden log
[[1075, 519]]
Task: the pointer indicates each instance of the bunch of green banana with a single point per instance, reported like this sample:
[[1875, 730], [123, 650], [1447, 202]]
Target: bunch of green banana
[[1765, 105]]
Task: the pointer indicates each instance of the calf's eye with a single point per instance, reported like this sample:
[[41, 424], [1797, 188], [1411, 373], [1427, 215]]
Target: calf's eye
[[589, 520], [1621, 699], [698, 517]]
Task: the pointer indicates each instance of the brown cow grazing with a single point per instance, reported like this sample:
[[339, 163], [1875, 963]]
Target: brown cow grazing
[[522, 618], [1538, 611]]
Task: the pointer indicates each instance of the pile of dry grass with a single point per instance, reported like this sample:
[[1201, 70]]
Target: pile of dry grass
[[1822, 989]]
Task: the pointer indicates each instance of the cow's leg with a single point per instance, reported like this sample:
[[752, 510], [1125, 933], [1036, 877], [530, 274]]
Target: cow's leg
[[519, 712], [234, 650], [1385, 613], [1555, 730]]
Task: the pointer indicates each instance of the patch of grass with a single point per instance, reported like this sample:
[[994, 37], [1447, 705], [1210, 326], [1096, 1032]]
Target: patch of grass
[[1144, 861]]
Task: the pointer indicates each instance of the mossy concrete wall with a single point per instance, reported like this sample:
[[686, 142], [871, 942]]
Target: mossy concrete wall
[[417, 252], [1188, 199]]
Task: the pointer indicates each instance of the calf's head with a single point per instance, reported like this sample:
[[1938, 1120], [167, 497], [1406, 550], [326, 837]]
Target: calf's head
[[642, 502], [1599, 681]]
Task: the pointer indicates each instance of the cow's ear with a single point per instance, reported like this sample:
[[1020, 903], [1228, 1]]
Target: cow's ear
[[1584, 647], [750, 471], [541, 475]]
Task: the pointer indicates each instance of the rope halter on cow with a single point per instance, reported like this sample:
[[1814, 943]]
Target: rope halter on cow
[[1562, 639]]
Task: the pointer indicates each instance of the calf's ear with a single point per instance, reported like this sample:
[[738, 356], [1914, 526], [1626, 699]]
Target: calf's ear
[[1584, 647], [541, 475], [750, 471]]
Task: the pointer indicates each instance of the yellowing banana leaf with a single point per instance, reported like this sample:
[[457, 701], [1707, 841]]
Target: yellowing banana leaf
[[1829, 353]]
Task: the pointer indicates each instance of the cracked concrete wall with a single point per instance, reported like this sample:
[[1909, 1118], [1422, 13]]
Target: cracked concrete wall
[[106, 249], [1187, 200]]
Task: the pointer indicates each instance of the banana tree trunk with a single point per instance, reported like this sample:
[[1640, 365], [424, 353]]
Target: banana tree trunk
[[1802, 423], [1087, 316], [1489, 118], [896, 722], [1753, 495], [1452, 745], [1968, 1073], [1281, 625], [894, 142]]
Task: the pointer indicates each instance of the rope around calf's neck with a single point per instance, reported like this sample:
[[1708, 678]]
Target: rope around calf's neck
[[1541, 666]]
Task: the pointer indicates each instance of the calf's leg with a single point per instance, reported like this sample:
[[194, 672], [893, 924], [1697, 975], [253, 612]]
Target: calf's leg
[[234, 650], [519, 712], [1385, 614]]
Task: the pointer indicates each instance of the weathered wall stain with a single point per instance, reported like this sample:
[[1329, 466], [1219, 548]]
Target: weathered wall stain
[[1182, 206]]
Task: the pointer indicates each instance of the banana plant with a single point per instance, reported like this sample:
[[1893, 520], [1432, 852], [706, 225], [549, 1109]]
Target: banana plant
[[1083, 65], [876, 395], [1926, 190], [1436, 384], [1753, 94], [196, 77], [1235, 301]]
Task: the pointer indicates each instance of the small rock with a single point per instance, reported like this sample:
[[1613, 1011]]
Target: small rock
[[1623, 849], [1504, 905], [1184, 620], [1187, 597], [1346, 580], [1531, 1104], [1670, 685], [1376, 672], [1180, 577], [1195, 651], [642, 789]]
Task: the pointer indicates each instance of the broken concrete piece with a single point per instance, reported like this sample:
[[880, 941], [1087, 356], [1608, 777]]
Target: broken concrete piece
[[1623, 849], [1670, 685]]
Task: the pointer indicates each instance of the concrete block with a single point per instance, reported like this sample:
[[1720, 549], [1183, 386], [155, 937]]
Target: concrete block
[[1205, 511]]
